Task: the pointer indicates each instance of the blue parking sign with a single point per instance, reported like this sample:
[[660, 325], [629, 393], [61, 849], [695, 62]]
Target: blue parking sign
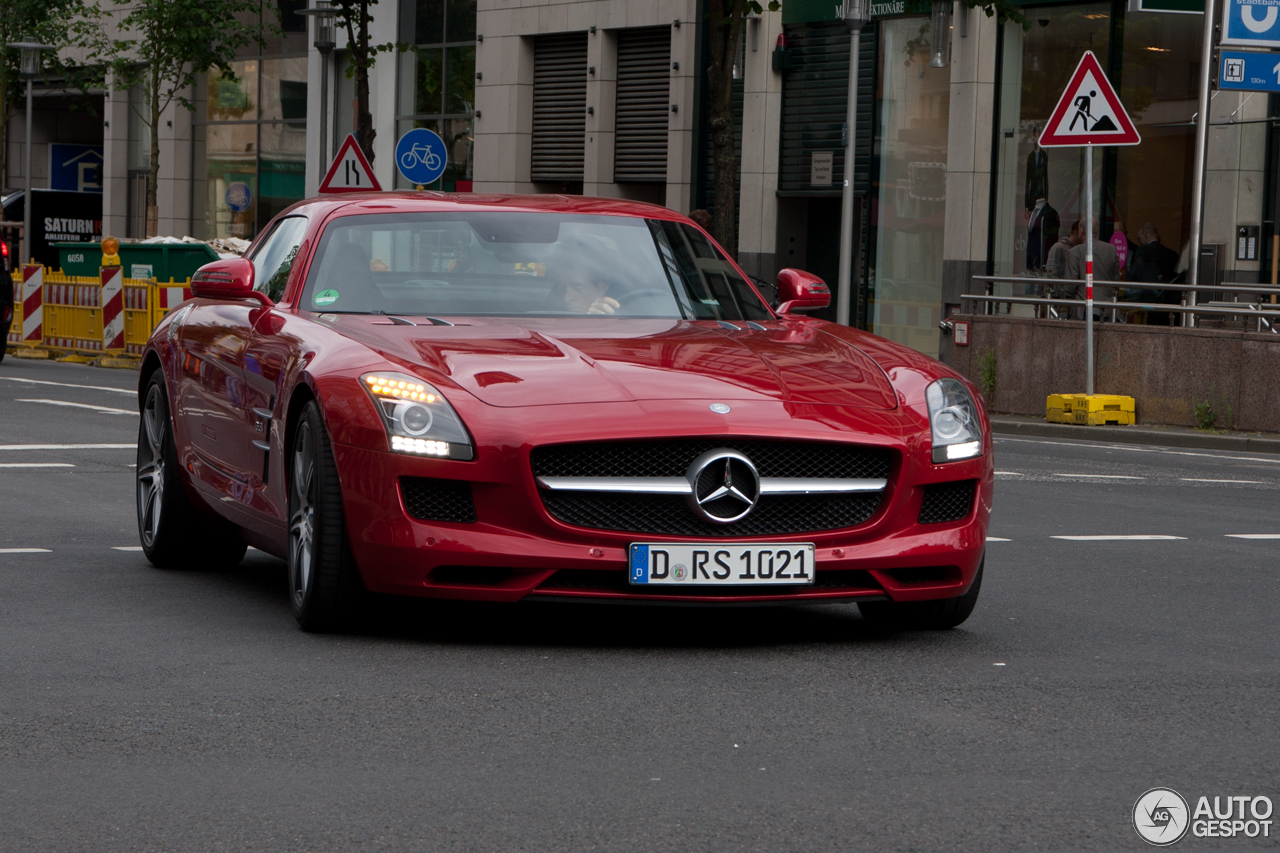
[[421, 156], [1251, 22]]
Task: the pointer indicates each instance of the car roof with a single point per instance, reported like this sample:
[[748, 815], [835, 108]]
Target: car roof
[[430, 201]]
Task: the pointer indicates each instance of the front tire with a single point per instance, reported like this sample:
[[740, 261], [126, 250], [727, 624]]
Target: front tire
[[173, 536], [940, 615], [324, 585]]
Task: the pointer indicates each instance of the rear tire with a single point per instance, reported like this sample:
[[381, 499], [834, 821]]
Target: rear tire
[[173, 535], [324, 584], [4, 340], [940, 615]]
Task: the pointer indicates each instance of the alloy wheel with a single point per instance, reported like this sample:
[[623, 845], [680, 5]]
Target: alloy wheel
[[151, 471]]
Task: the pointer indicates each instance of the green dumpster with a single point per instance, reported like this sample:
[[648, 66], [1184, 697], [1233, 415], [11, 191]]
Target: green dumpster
[[167, 261]]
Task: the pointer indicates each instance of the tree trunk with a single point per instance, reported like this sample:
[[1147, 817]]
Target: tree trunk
[[364, 119], [153, 167], [724, 25]]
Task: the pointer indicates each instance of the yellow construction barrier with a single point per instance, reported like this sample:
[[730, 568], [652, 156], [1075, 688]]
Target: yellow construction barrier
[[71, 322], [1089, 410]]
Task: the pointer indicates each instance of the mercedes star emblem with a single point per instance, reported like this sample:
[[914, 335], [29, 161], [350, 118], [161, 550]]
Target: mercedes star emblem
[[725, 486], [720, 408]]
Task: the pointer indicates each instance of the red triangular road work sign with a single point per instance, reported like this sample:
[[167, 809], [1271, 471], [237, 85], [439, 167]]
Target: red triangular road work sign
[[350, 171], [1089, 113]]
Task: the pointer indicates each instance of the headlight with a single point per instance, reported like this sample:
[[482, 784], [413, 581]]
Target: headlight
[[418, 419], [953, 418]]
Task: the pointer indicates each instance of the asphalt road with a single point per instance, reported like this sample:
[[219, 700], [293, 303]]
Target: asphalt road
[[146, 710]]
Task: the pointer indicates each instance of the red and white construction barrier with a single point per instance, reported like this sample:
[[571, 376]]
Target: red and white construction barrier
[[32, 303], [172, 297], [112, 308]]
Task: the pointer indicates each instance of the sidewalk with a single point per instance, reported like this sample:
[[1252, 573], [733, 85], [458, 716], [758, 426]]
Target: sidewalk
[[1165, 436]]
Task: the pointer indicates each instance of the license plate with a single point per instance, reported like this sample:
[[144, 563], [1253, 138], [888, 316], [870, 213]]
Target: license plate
[[702, 565]]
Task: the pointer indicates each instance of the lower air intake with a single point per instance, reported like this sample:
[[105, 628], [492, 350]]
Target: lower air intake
[[429, 499], [945, 502]]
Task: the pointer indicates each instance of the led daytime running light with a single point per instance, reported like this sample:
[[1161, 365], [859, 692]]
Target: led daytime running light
[[383, 386]]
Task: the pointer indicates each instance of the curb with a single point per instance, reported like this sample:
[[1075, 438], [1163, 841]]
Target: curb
[[1134, 435]]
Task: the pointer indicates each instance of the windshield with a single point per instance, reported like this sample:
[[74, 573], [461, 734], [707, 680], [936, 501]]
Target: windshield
[[524, 264]]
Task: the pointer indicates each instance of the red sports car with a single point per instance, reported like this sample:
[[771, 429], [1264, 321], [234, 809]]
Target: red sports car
[[524, 397]]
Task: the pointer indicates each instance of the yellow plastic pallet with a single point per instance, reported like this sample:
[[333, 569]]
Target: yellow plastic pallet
[[1089, 410]]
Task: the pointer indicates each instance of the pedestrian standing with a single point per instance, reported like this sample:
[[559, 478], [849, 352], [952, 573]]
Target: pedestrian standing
[[1105, 268]]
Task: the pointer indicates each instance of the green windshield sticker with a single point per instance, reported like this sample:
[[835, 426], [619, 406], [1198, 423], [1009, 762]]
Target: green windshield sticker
[[326, 297]]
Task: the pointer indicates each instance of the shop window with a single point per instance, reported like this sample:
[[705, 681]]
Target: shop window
[[1040, 193], [437, 84], [909, 205]]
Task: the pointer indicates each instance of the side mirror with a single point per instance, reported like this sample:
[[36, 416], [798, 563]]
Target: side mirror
[[800, 291], [231, 278]]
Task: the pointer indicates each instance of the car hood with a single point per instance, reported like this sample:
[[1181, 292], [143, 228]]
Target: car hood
[[584, 360]]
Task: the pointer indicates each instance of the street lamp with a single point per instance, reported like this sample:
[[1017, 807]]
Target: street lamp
[[30, 68], [323, 13], [856, 14]]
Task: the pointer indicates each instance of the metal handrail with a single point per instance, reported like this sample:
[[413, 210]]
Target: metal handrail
[[1225, 287], [1265, 316]]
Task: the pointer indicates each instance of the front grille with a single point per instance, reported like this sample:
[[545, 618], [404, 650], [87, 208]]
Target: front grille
[[774, 515], [671, 458], [669, 515], [947, 501], [429, 499]]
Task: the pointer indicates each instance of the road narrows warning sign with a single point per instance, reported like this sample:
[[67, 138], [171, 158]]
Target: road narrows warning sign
[[350, 172], [1089, 112]]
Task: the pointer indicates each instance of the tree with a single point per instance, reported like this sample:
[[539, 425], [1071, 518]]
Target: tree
[[170, 43], [61, 23], [353, 15], [725, 22]]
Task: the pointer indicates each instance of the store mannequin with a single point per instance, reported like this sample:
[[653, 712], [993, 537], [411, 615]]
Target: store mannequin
[[1043, 224]]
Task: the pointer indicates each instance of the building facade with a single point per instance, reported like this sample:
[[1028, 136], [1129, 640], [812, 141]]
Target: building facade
[[608, 98]]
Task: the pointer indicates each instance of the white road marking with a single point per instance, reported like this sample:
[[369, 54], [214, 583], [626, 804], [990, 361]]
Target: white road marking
[[1101, 476], [1141, 537], [25, 551], [71, 385], [68, 446], [1253, 535], [997, 539], [998, 664], [1139, 448], [1202, 480], [1010, 474], [36, 465], [102, 409], [126, 547]]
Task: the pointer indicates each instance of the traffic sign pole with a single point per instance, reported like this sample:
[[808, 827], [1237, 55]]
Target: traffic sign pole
[[1088, 272]]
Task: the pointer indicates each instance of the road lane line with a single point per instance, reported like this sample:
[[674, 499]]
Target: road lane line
[[126, 547], [1203, 480], [1010, 474], [71, 385], [1139, 448], [1101, 476], [68, 446], [997, 539], [25, 551], [102, 409], [1137, 538], [1253, 535], [36, 465]]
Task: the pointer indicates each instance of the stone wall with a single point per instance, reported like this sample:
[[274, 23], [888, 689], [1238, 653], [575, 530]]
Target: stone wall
[[1167, 370]]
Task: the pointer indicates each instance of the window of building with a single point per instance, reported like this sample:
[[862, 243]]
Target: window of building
[[437, 82], [1152, 60], [250, 133], [910, 181]]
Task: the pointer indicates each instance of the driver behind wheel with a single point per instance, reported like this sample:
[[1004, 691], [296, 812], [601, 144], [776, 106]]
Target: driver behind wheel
[[586, 280]]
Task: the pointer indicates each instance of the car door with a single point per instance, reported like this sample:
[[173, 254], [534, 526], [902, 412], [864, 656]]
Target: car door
[[270, 351], [211, 343]]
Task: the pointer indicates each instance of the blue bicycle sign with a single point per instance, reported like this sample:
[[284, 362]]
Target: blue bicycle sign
[[421, 156]]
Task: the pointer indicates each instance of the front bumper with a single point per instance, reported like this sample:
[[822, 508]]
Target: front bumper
[[515, 549]]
